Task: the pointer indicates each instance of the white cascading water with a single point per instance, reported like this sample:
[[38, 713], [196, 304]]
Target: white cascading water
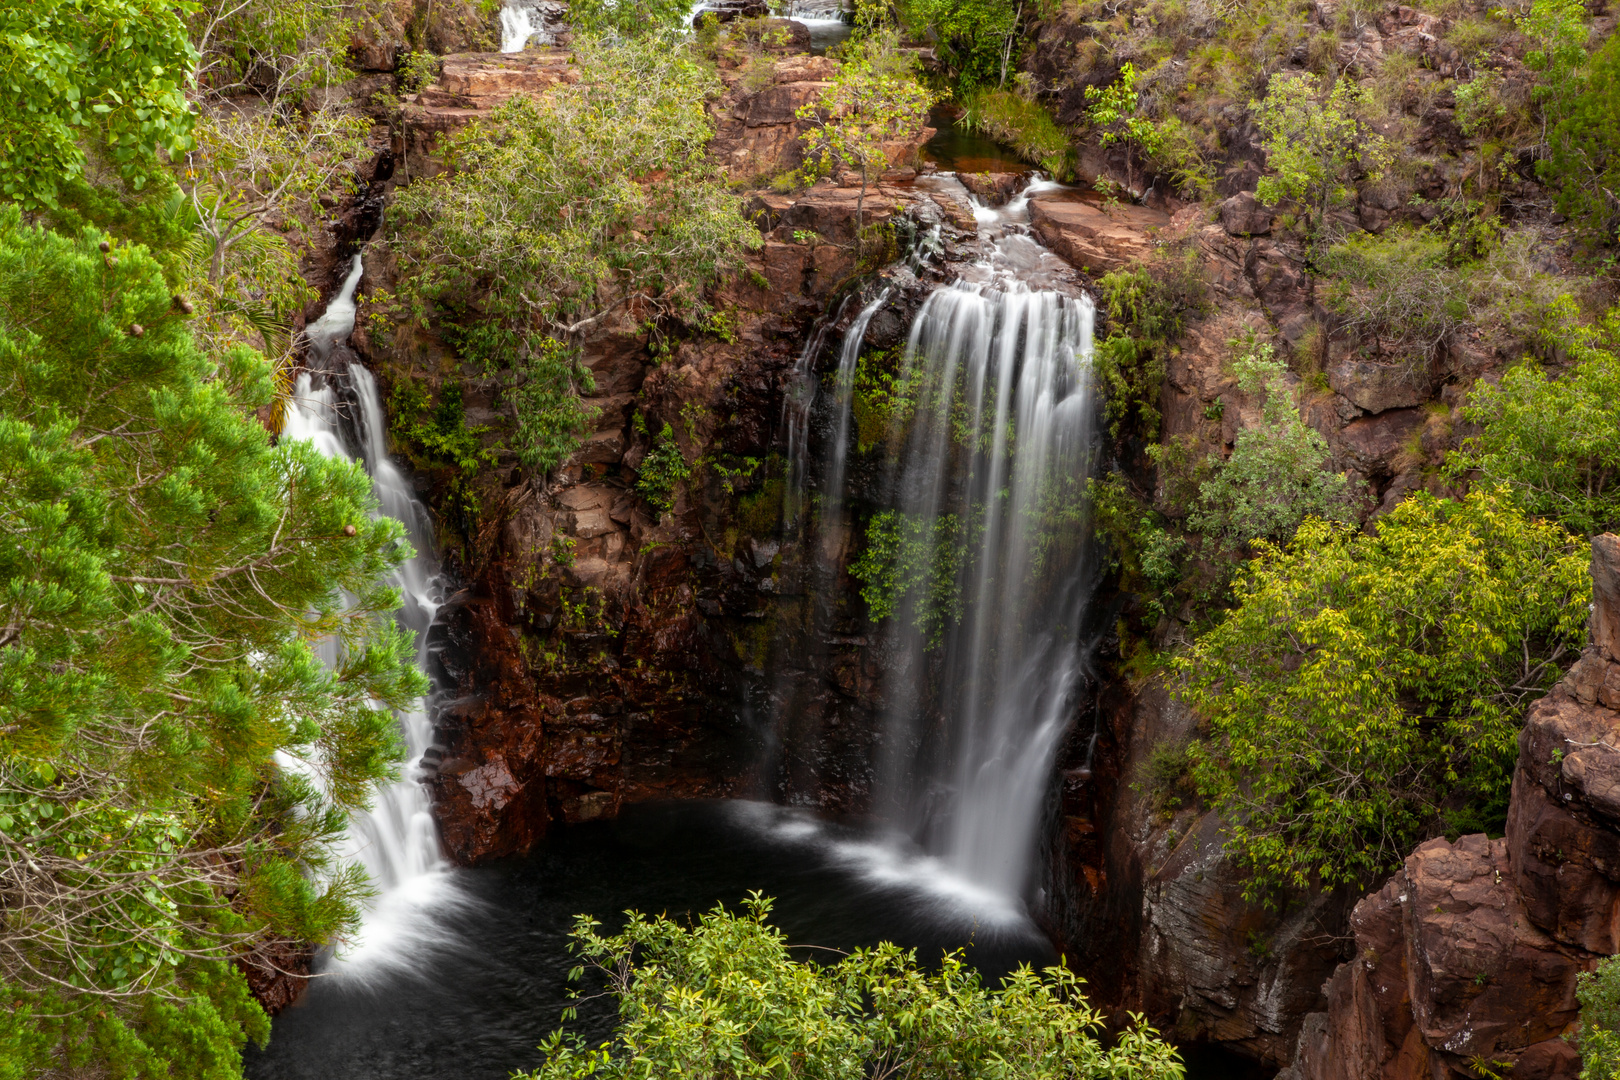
[[517, 27], [992, 465], [338, 409]]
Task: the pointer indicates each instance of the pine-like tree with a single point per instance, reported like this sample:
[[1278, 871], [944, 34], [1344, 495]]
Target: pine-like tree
[[166, 577]]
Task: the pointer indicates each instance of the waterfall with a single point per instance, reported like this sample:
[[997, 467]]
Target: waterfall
[[336, 406], [517, 27], [984, 505]]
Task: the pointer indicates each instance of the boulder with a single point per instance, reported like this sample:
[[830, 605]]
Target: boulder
[[1242, 215], [1376, 387], [1483, 978], [1092, 239]]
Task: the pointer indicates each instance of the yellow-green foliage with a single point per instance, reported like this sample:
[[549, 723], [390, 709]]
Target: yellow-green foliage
[[1365, 682], [726, 998]]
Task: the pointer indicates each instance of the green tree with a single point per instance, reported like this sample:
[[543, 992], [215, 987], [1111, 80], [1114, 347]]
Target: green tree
[[725, 999], [1554, 441], [559, 211], [629, 18], [1583, 160], [107, 76], [1598, 991], [1115, 110], [973, 39], [1366, 689], [1316, 146], [165, 576], [874, 102], [1277, 473]]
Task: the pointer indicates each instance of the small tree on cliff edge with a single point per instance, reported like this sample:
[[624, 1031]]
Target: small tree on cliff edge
[[874, 101], [1315, 147]]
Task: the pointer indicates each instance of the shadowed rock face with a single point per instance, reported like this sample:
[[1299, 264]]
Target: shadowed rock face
[[1472, 950]]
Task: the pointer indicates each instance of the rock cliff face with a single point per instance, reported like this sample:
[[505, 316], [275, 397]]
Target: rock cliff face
[[1470, 953], [603, 651]]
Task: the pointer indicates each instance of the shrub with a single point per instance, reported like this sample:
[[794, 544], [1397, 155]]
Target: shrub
[[1583, 164], [1598, 991], [1365, 683], [1316, 144], [1398, 292], [1555, 442], [1277, 474], [724, 998], [662, 470], [1147, 305], [912, 566]]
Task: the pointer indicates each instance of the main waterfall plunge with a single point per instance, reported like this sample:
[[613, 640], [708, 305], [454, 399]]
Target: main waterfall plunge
[[976, 523]]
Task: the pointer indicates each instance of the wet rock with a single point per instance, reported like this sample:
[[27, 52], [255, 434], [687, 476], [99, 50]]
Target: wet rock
[[994, 188]]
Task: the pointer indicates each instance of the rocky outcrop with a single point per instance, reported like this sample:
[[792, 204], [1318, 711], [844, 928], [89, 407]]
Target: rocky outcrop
[[1091, 237], [759, 132], [1471, 952], [468, 85], [389, 29]]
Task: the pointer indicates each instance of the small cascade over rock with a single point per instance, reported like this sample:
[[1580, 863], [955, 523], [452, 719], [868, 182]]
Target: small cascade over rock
[[530, 22], [336, 406]]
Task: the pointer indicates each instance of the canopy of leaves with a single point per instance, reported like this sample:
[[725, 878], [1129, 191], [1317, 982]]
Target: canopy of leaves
[[1277, 473], [725, 999], [560, 210], [1555, 441], [165, 575], [973, 39], [1363, 685], [1316, 145], [107, 75]]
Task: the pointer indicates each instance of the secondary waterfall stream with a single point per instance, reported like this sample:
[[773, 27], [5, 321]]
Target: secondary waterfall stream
[[336, 406]]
